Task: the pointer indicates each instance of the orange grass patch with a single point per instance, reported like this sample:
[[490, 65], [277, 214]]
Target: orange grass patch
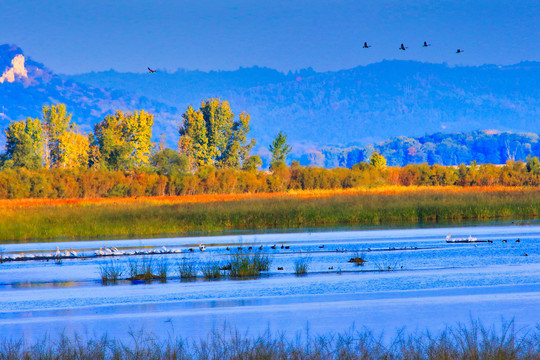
[[301, 194]]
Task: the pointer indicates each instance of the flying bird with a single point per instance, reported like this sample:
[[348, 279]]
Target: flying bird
[[403, 47], [459, 51], [151, 70], [426, 44], [366, 46]]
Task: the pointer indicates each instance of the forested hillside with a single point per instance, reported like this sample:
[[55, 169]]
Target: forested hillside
[[357, 106], [440, 148]]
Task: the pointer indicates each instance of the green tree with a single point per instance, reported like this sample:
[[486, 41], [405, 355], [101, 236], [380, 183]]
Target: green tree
[[279, 149], [169, 162], [533, 165], [24, 144], [211, 136], [56, 121], [378, 161], [252, 163]]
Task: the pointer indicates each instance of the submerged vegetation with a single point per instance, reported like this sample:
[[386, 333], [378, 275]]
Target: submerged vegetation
[[473, 341], [144, 217]]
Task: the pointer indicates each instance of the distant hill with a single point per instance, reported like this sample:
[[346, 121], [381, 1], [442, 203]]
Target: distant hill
[[26, 85], [356, 106], [347, 108]]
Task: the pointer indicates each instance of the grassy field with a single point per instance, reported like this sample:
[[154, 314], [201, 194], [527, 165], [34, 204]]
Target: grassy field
[[67, 219]]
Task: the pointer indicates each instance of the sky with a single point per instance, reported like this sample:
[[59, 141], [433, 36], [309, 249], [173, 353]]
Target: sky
[[77, 36]]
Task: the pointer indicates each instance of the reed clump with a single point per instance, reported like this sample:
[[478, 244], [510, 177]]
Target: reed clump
[[187, 269], [301, 265], [110, 272], [248, 265], [146, 269], [211, 270]]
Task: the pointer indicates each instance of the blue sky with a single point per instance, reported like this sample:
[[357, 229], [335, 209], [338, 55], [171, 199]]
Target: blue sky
[[74, 36]]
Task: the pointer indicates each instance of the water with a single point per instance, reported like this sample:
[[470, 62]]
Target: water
[[430, 284]]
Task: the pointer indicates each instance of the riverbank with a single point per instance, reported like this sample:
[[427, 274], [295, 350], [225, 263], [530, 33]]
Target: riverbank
[[71, 219]]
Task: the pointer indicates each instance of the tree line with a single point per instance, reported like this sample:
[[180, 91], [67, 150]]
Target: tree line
[[51, 158]]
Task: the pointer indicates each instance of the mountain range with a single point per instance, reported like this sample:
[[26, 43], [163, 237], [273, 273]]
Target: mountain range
[[352, 107]]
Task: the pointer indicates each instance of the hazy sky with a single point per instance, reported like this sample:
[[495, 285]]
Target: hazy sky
[[74, 36]]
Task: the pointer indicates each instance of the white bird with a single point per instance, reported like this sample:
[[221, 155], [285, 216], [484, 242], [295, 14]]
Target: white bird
[[58, 253], [73, 252], [202, 247], [99, 252]]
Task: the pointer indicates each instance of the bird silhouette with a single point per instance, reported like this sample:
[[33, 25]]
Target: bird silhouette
[[151, 71], [459, 51], [403, 47], [426, 44], [366, 46]]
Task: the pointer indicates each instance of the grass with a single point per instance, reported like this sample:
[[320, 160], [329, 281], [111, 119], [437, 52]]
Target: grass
[[187, 269], [211, 270], [248, 265], [23, 221], [146, 269], [464, 342], [110, 272], [301, 265]]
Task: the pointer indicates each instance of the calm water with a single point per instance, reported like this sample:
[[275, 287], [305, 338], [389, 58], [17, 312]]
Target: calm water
[[431, 284]]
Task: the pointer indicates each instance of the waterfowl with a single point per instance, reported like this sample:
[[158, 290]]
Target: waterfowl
[[280, 268], [331, 268], [287, 247], [321, 247], [151, 71], [403, 47], [504, 241], [459, 51], [228, 248], [426, 44], [260, 247], [274, 246], [202, 247], [518, 240], [366, 46], [282, 246]]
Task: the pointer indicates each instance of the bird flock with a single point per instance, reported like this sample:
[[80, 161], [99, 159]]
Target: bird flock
[[402, 47]]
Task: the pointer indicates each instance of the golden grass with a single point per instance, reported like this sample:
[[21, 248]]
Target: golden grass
[[300, 194]]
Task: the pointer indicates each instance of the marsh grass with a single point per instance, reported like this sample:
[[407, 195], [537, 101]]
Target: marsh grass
[[301, 265], [464, 342], [211, 270], [110, 271], [147, 218], [248, 265], [148, 268], [187, 269]]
